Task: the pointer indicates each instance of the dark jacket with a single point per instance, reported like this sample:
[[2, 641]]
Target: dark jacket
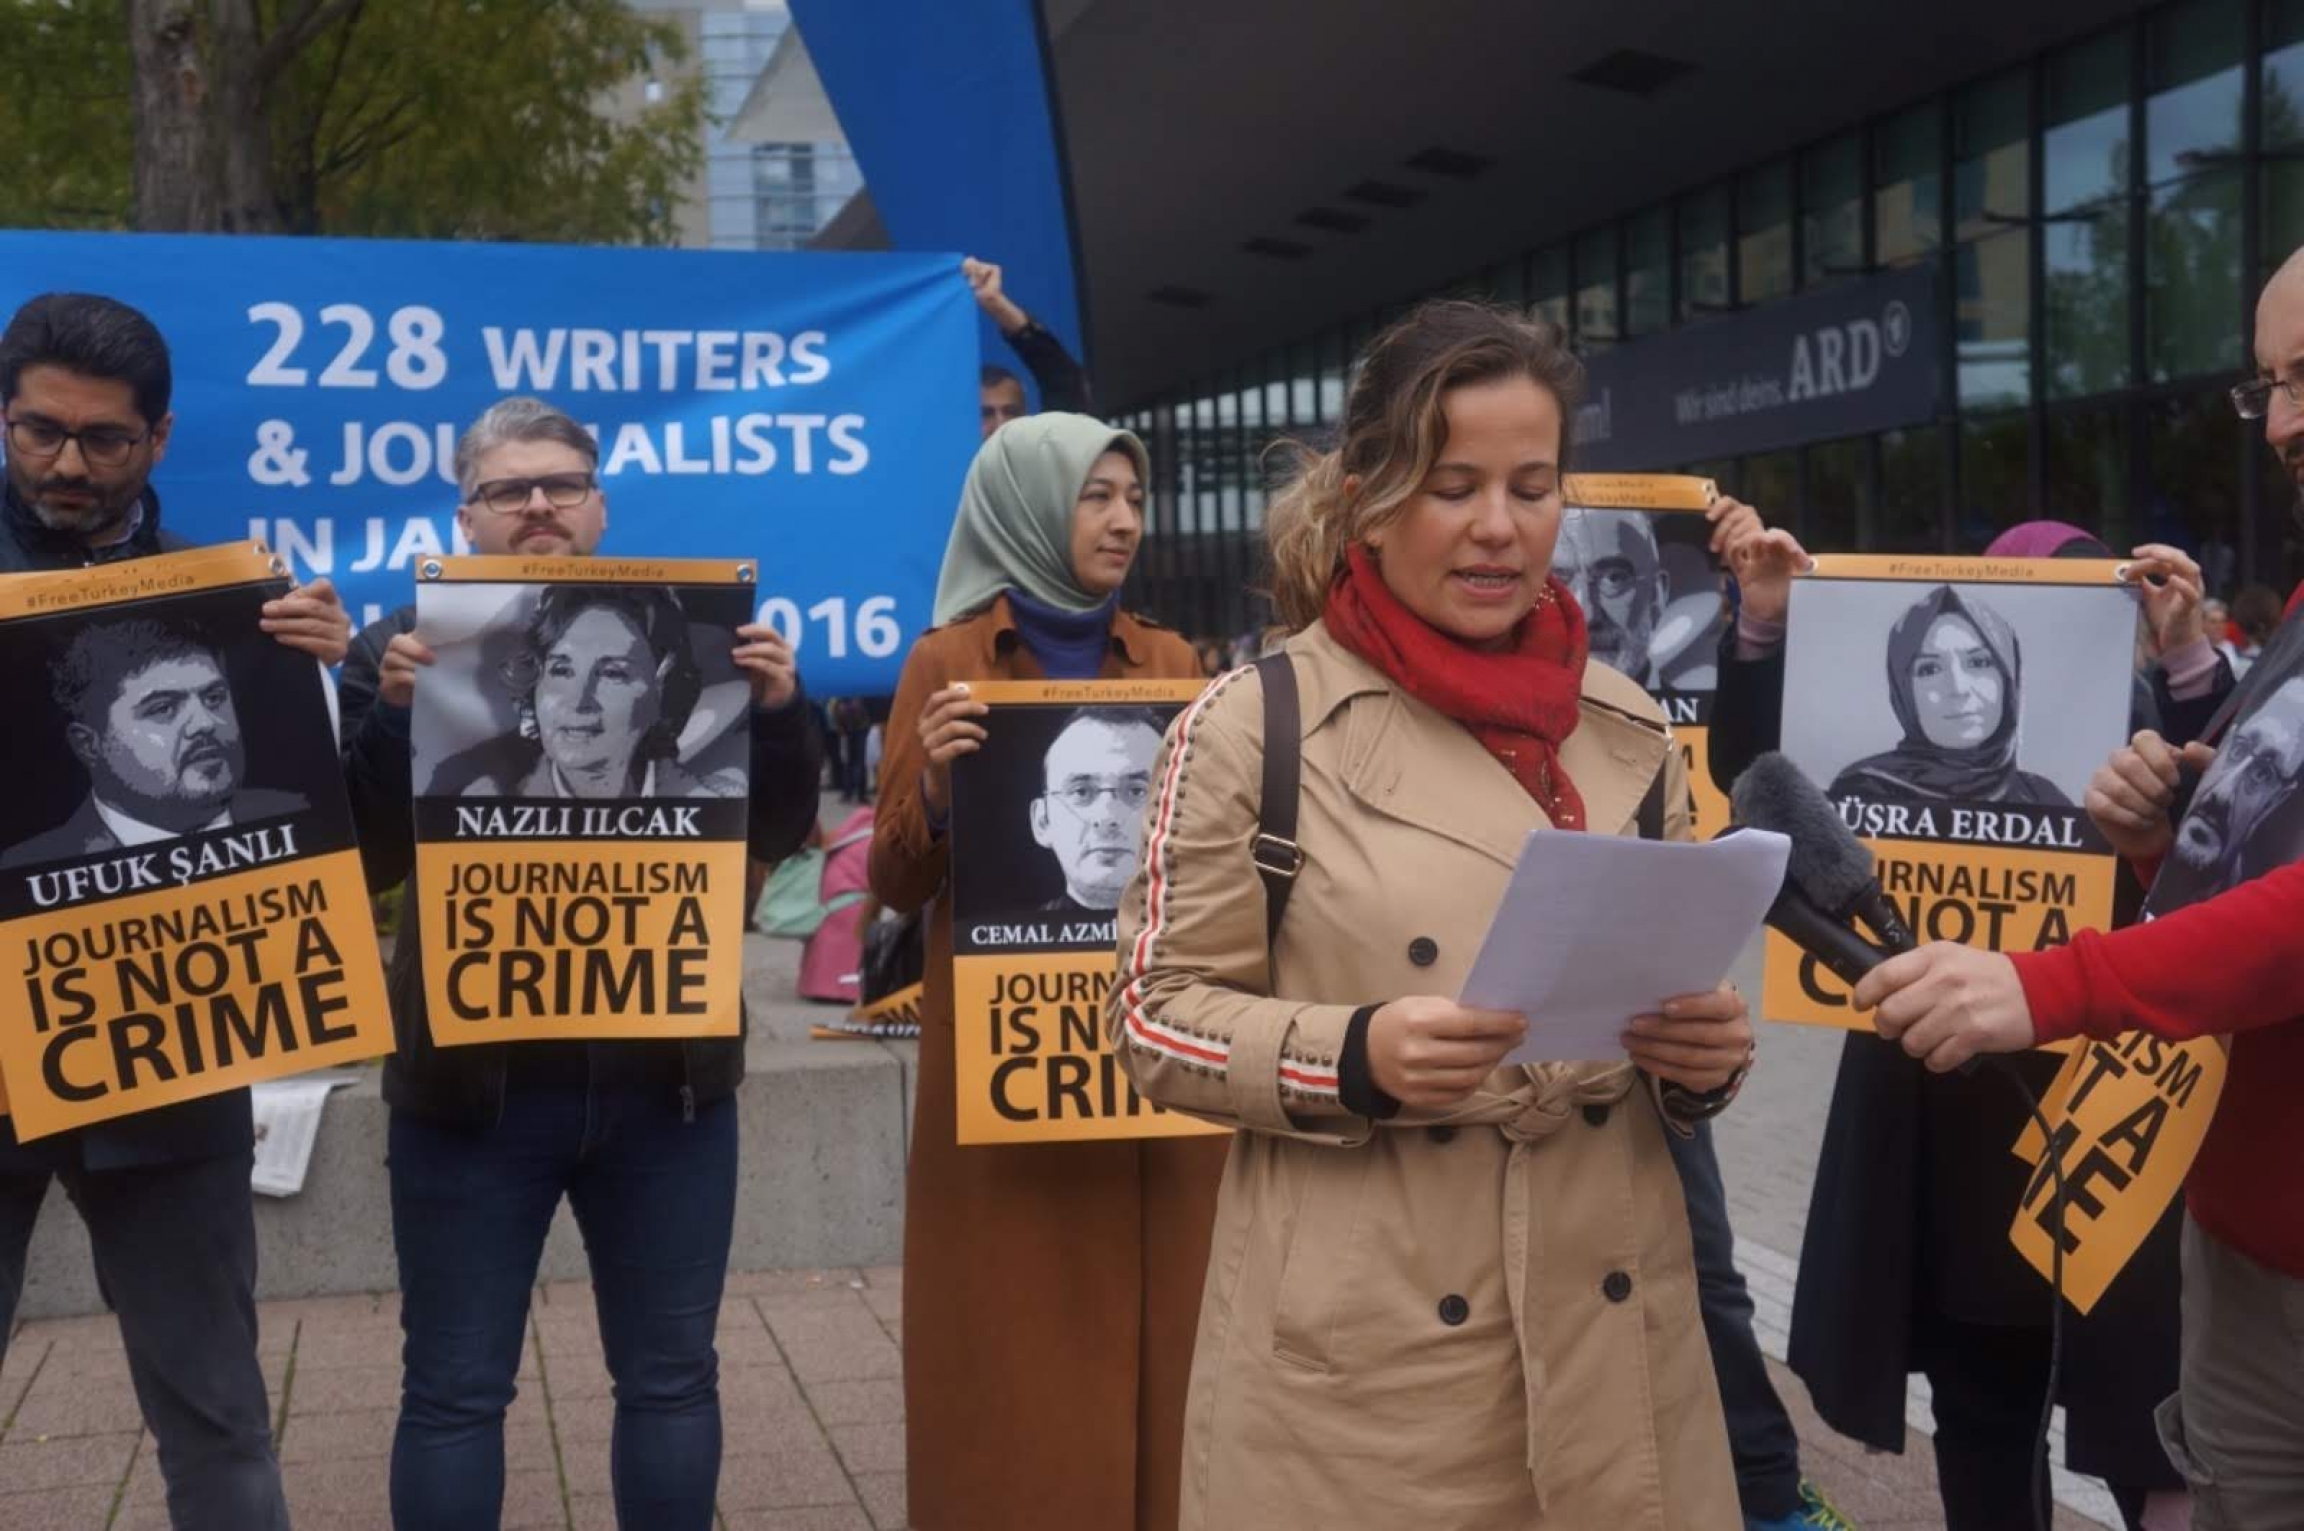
[[1916, 1186], [1063, 382], [465, 1085], [196, 1129]]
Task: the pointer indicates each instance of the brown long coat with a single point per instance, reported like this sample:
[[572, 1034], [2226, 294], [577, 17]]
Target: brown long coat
[[1484, 1320], [1050, 1290]]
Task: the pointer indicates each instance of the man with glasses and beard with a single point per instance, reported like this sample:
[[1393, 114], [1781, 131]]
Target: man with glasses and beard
[[84, 389], [639, 1136], [1098, 771], [2229, 966], [152, 722]]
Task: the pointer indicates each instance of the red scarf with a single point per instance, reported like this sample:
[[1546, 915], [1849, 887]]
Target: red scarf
[[1520, 702]]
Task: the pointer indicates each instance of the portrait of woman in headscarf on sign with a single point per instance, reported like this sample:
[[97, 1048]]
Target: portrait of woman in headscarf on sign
[[1955, 679]]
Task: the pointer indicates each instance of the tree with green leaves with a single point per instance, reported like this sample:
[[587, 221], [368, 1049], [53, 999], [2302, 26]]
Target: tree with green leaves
[[447, 119]]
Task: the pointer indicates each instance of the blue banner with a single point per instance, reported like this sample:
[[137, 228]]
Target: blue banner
[[814, 412]]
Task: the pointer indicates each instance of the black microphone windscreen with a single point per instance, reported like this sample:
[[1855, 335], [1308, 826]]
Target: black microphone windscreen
[[1829, 865]]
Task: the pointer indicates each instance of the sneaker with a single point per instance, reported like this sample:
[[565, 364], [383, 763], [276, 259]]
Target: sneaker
[[1816, 1513]]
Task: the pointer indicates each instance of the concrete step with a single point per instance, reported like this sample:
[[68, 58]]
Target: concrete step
[[824, 1129]]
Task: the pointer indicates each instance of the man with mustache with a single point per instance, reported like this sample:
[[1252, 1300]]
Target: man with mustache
[[1098, 774], [2224, 966], [1610, 562], [2255, 773], [152, 722], [486, 1140], [84, 393]]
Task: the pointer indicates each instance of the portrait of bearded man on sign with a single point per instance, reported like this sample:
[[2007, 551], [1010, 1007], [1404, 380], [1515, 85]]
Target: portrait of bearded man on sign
[[151, 719]]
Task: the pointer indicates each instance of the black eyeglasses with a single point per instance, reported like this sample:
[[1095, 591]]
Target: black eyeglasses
[[100, 446], [510, 496], [2254, 398]]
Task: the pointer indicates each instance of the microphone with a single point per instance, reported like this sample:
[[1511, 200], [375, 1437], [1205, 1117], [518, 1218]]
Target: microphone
[[1828, 882], [1829, 865]]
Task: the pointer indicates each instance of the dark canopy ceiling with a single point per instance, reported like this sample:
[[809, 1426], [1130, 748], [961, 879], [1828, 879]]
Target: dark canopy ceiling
[[1197, 126]]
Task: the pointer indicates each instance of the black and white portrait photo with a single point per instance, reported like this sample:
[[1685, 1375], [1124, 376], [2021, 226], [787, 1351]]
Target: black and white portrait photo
[[163, 719], [581, 690], [1652, 601], [2246, 817], [1964, 693], [1049, 819]]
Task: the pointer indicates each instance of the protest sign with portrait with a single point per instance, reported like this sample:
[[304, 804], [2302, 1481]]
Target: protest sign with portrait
[[582, 781], [1047, 831], [1954, 709], [179, 881], [1636, 551]]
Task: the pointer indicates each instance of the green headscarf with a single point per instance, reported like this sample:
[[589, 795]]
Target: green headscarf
[[1014, 530]]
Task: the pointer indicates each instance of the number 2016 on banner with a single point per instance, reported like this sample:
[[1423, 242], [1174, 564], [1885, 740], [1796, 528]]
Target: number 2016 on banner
[[875, 634]]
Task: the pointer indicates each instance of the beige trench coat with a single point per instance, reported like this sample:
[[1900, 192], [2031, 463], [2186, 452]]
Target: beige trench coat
[[1484, 1320]]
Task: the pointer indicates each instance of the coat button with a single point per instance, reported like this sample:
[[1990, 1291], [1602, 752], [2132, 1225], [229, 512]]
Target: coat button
[[1454, 1310], [1423, 951], [1616, 1287], [1441, 1134], [1595, 1116]]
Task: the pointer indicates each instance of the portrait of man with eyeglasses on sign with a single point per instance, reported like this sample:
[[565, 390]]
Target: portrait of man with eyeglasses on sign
[[1098, 776]]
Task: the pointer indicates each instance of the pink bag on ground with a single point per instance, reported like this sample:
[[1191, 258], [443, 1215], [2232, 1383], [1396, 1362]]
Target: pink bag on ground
[[829, 962]]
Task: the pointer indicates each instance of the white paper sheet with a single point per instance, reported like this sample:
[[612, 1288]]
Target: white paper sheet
[[1596, 929], [287, 1124]]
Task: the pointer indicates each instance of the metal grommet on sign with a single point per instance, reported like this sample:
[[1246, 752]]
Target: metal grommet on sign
[[2122, 573], [744, 574], [279, 566], [430, 568]]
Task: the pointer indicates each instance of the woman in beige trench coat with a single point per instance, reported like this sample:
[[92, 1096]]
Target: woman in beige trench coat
[[1442, 1293]]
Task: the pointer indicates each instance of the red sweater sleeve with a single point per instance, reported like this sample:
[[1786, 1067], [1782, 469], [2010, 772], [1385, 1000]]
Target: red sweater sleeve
[[2227, 964]]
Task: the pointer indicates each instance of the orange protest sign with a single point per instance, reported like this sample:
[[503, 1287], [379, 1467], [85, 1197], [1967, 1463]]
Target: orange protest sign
[[2126, 1120], [1635, 549], [1953, 711], [178, 880], [1047, 828], [582, 774]]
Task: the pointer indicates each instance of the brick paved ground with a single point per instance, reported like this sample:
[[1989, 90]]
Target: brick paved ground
[[810, 1380]]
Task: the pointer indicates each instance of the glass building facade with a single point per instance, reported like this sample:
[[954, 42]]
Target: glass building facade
[[761, 196], [2099, 218]]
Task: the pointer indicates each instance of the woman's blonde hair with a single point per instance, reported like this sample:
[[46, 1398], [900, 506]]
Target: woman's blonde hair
[[1394, 430]]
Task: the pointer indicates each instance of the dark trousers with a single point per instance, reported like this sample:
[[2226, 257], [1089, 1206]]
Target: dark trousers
[[854, 784], [656, 1199], [175, 1249], [1760, 1433], [1988, 1384]]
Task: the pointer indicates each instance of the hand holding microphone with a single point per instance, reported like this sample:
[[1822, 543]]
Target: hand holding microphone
[[1948, 1004]]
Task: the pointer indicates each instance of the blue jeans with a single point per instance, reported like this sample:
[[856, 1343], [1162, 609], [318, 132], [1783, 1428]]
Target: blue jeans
[[655, 1198]]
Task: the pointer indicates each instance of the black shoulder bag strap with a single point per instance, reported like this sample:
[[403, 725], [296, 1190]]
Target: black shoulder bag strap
[[1648, 822], [1277, 856]]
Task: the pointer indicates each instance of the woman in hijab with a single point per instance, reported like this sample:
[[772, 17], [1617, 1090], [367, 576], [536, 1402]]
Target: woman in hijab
[[1051, 1292], [1907, 1266], [1955, 678]]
